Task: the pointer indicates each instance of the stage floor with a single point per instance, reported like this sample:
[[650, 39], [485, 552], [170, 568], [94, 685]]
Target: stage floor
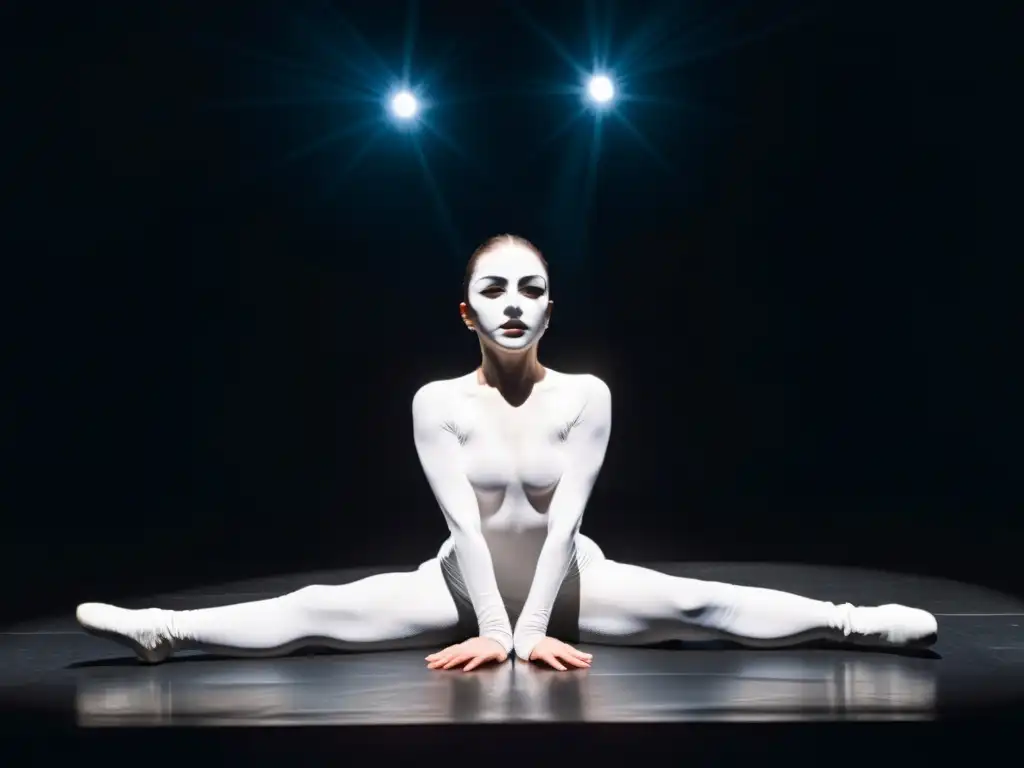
[[51, 668]]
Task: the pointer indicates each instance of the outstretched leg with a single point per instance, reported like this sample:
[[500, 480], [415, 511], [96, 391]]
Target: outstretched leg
[[387, 611], [628, 605]]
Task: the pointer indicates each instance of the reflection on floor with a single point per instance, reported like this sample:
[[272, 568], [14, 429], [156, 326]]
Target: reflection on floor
[[395, 688], [978, 662]]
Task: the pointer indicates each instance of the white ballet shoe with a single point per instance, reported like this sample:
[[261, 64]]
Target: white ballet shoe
[[888, 625], [144, 631]]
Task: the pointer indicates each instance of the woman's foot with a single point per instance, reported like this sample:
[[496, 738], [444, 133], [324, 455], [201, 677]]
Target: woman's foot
[[145, 631], [889, 626]]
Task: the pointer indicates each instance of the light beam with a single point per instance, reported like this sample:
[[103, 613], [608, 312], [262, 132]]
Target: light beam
[[601, 90], [404, 105]]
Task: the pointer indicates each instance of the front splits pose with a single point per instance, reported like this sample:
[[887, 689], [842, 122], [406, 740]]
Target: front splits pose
[[511, 452]]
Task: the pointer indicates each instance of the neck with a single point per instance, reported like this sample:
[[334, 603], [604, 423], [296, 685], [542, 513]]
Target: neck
[[513, 374]]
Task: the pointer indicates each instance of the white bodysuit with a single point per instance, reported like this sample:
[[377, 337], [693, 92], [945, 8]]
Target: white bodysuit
[[512, 483]]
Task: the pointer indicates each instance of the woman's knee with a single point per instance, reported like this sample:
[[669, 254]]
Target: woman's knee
[[310, 593], [413, 599], [317, 597]]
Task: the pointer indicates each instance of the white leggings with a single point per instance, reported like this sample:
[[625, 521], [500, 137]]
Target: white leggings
[[618, 605]]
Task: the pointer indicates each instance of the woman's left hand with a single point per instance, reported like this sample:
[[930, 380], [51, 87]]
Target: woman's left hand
[[554, 652]]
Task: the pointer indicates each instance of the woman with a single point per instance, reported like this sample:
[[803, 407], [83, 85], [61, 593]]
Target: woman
[[511, 452]]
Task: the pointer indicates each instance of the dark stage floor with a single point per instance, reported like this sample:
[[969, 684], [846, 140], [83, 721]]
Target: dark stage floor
[[51, 671], [978, 662]]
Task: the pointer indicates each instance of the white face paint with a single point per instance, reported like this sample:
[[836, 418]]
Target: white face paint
[[509, 286]]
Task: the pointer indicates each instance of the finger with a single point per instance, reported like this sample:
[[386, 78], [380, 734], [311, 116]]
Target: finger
[[474, 663], [582, 655], [550, 659], [457, 660], [443, 652], [566, 648], [573, 661], [440, 660]]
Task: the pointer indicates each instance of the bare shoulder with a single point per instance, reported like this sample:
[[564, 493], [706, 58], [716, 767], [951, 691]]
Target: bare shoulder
[[435, 398], [590, 400], [586, 385]]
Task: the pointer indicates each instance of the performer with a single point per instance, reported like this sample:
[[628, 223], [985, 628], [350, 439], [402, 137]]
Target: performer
[[511, 452]]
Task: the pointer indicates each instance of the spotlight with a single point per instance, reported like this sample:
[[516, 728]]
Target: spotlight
[[601, 90], [404, 105]]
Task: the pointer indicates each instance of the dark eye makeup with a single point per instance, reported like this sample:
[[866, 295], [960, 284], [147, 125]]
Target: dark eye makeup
[[532, 291]]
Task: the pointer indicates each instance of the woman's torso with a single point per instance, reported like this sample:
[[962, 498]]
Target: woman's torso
[[514, 458]]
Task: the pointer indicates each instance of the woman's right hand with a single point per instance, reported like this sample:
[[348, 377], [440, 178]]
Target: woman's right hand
[[471, 653]]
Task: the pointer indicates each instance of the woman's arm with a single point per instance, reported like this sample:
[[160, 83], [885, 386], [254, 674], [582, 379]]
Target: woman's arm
[[587, 443], [438, 450]]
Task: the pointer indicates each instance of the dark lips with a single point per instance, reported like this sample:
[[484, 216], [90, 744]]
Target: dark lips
[[514, 325]]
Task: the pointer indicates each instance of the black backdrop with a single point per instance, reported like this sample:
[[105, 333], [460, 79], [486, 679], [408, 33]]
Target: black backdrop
[[793, 267]]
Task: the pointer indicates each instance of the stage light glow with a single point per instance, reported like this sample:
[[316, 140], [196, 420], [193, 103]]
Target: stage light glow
[[404, 105], [601, 89]]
